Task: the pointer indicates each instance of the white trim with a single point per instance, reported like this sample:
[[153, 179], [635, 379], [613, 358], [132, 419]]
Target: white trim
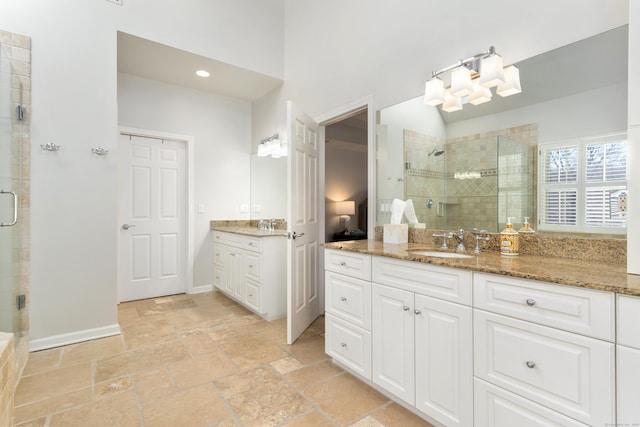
[[189, 140], [200, 289], [74, 337]]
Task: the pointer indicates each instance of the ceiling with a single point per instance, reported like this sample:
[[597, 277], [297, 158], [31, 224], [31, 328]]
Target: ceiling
[[156, 61], [588, 64]]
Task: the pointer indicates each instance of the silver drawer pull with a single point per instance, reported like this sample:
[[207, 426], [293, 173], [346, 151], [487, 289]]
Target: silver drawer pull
[[250, 295], [531, 364], [251, 266], [531, 302], [418, 312], [405, 308], [343, 264], [343, 344], [343, 299]]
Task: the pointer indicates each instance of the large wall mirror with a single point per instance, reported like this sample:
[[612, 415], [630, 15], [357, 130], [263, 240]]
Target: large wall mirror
[[475, 167], [268, 187]]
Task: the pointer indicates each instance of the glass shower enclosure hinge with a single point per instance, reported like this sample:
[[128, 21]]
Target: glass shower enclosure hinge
[[21, 112], [21, 301]]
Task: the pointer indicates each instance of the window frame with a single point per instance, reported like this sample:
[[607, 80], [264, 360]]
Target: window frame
[[581, 185]]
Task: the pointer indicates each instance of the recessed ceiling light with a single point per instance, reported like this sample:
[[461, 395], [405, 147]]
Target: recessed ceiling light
[[202, 73]]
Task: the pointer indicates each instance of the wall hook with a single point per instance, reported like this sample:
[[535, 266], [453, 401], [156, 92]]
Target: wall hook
[[100, 151], [50, 146]]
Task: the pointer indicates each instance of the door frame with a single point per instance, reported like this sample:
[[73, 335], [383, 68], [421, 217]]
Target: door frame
[[189, 197], [333, 116]]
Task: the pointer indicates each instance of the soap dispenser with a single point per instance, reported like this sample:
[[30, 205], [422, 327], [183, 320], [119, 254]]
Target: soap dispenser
[[509, 240], [526, 227]]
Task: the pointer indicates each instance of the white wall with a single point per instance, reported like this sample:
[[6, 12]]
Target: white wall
[[74, 81], [221, 128]]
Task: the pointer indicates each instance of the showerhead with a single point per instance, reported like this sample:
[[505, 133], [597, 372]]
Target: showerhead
[[436, 152]]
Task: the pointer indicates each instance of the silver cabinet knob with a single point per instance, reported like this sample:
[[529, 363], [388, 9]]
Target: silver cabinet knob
[[343, 299], [343, 344], [127, 226], [405, 308], [343, 264], [531, 302], [531, 364], [417, 312]]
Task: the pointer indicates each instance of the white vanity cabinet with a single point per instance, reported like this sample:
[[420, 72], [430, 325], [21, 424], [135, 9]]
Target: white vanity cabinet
[[628, 360], [348, 309], [422, 345], [539, 345], [252, 270]]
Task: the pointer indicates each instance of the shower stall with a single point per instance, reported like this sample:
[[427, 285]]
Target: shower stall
[[470, 183], [14, 178]]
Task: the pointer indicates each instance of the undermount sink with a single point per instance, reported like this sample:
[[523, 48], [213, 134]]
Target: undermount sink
[[440, 254]]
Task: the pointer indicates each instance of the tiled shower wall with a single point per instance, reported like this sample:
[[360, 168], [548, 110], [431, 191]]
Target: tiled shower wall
[[18, 49], [479, 181]]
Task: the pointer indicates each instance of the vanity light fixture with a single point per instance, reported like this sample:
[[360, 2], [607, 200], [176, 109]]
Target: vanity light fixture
[[471, 81], [273, 147], [203, 73]]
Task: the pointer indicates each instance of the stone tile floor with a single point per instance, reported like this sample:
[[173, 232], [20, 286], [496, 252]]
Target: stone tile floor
[[197, 360]]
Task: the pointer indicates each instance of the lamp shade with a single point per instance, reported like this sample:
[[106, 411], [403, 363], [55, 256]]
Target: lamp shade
[[480, 94], [434, 92], [347, 207], [461, 82], [491, 72], [452, 103], [511, 85]]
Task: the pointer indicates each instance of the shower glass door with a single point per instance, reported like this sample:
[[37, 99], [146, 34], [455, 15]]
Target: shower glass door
[[10, 179]]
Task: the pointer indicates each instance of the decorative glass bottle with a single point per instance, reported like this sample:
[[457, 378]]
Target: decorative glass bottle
[[509, 240]]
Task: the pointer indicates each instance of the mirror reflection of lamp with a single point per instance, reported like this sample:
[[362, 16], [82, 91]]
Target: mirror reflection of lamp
[[345, 209]]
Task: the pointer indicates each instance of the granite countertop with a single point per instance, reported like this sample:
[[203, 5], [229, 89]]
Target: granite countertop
[[248, 231], [603, 276]]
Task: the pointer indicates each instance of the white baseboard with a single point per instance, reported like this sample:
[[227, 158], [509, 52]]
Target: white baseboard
[[73, 337], [201, 289]]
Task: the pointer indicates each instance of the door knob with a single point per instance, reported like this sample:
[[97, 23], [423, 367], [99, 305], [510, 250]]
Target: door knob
[[127, 226]]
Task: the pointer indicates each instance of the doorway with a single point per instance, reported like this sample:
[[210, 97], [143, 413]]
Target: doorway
[[346, 178]]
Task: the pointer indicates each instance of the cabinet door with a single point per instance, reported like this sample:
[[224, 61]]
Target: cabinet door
[[392, 334], [228, 262], [239, 280], [628, 386], [444, 360]]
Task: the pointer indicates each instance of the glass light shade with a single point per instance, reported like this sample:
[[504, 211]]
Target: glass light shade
[[434, 92], [480, 94], [491, 72], [451, 103], [262, 150], [511, 85], [347, 207], [461, 82]]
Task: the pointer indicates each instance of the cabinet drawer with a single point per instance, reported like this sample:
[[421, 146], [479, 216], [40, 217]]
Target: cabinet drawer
[[569, 308], [348, 344], [217, 254], [218, 276], [569, 373], [252, 266], [349, 263], [441, 282], [238, 241], [628, 321], [348, 298], [253, 244], [496, 407], [253, 296]]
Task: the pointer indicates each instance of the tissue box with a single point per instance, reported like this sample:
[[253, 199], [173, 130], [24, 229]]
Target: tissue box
[[395, 233]]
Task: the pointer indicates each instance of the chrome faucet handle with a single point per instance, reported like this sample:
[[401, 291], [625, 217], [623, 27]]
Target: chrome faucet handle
[[480, 237], [444, 240]]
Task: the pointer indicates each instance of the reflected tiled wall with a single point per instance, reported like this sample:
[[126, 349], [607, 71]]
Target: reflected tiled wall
[[479, 181]]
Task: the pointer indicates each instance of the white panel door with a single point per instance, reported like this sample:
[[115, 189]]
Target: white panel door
[[303, 225], [152, 249], [392, 329]]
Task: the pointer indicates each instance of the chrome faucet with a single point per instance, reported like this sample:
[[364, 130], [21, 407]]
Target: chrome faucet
[[459, 238]]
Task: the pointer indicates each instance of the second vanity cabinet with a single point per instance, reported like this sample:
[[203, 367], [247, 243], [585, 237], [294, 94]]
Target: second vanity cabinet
[[252, 270], [628, 360]]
